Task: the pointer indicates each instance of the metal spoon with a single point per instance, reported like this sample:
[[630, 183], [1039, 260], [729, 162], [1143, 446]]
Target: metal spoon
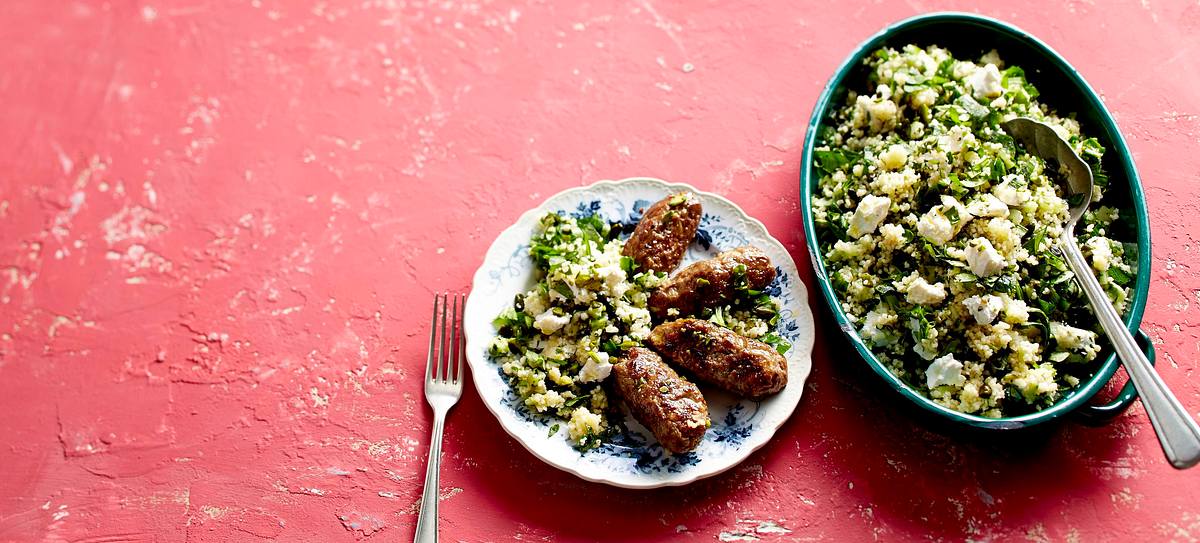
[[1177, 432]]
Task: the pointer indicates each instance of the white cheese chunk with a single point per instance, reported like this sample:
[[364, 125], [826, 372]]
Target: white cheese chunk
[[870, 212], [921, 292], [982, 258], [597, 368], [873, 328], [924, 351], [956, 139], [985, 308], [987, 206], [1009, 193], [1072, 338], [935, 226], [944, 371], [550, 323], [985, 83], [942, 222]]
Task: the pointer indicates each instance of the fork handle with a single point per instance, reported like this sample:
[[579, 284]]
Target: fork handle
[[427, 519], [1177, 432]]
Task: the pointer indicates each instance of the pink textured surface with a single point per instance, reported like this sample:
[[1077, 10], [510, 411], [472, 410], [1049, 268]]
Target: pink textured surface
[[221, 224]]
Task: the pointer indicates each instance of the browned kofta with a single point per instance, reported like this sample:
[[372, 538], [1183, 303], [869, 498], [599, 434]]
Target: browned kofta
[[664, 233], [714, 354], [670, 406], [712, 282]]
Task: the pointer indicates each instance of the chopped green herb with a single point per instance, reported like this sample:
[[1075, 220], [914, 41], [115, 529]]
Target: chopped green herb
[[1119, 276]]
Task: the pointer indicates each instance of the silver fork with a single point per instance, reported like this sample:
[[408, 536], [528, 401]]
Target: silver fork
[[442, 391]]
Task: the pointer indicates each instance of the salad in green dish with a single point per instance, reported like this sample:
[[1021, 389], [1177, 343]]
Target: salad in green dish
[[939, 233]]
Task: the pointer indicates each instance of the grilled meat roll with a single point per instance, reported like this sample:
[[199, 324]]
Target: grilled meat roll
[[664, 233], [712, 282], [670, 406], [714, 354]]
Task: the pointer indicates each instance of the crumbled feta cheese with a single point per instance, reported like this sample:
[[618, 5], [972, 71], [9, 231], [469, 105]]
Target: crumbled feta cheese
[[614, 278], [938, 228], [876, 115], [982, 258], [873, 326], [987, 206], [952, 202], [985, 308], [935, 227], [883, 91], [535, 303], [920, 292], [985, 83], [944, 371], [963, 68], [870, 212], [925, 351], [597, 368], [1075, 339], [956, 139], [1008, 192], [550, 323]]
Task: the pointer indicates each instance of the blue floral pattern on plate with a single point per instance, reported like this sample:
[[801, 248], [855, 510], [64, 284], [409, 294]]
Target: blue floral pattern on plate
[[634, 458]]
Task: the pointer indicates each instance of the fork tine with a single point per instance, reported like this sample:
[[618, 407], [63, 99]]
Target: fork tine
[[444, 348], [452, 361], [453, 341], [432, 340], [462, 346]]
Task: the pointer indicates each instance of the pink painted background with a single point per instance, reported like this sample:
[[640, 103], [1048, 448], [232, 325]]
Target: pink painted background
[[221, 225]]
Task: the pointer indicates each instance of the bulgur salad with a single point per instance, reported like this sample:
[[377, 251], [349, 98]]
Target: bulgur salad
[[939, 232], [557, 343]]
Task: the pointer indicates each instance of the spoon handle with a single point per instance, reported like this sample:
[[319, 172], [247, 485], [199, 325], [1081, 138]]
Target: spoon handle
[[1177, 432]]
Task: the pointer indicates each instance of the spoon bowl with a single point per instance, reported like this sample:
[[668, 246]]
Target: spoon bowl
[[1041, 140]]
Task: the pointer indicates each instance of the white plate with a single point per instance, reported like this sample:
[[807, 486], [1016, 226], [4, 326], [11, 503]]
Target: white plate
[[635, 460]]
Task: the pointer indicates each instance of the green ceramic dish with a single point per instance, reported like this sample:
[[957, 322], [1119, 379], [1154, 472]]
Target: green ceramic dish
[[969, 36]]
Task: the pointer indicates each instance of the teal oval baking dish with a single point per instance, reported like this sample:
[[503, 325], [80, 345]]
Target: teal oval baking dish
[[1062, 88]]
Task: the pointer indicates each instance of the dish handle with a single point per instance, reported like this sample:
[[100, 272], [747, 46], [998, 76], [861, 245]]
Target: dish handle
[[1096, 415]]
